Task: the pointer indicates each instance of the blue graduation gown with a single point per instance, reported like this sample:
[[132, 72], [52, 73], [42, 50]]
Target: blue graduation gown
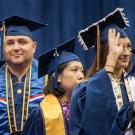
[[122, 120], [93, 106], [77, 108], [36, 95], [35, 123]]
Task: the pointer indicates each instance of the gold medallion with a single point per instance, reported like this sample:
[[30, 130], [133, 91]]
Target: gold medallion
[[19, 91]]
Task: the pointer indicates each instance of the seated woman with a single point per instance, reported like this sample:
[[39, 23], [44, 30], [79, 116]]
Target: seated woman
[[96, 103], [65, 71]]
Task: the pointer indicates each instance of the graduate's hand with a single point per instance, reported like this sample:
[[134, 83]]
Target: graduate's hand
[[115, 49]]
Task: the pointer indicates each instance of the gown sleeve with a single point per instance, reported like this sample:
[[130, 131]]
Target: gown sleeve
[[77, 108], [35, 123], [123, 119], [99, 107]]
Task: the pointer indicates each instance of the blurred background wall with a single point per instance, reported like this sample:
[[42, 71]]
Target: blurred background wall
[[65, 18]]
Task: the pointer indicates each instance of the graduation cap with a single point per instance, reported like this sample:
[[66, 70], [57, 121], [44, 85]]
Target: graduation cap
[[49, 61], [92, 36], [116, 19], [16, 25]]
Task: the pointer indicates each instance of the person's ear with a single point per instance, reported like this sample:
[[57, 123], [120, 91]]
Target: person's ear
[[34, 46], [59, 79]]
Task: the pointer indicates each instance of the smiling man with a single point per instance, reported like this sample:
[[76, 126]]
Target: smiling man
[[20, 88]]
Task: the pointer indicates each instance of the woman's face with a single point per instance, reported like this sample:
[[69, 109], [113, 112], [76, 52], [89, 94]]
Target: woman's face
[[72, 75], [125, 56]]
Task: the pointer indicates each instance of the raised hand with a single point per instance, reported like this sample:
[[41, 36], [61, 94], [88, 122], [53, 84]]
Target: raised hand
[[115, 49]]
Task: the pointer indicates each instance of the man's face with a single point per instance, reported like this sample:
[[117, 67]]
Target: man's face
[[19, 49]]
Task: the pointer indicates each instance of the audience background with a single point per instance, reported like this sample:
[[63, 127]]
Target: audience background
[[65, 18]]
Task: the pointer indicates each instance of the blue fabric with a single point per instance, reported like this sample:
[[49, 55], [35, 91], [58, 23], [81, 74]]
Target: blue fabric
[[97, 107], [64, 57], [94, 110], [19, 30], [122, 120], [17, 25], [77, 108], [37, 86], [124, 91], [35, 123], [67, 57]]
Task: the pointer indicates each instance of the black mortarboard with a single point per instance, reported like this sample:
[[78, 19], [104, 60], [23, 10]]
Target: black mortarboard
[[96, 33], [49, 61], [46, 60], [116, 19]]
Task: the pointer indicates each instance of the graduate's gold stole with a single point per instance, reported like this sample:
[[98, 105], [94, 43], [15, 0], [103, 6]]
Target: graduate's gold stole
[[117, 90], [53, 116], [11, 99]]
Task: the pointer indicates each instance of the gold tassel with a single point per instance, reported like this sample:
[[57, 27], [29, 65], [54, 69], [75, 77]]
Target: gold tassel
[[46, 79], [98, 48], [4, 36]]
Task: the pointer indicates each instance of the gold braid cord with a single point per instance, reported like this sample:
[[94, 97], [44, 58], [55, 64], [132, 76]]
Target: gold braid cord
[[10, 83]]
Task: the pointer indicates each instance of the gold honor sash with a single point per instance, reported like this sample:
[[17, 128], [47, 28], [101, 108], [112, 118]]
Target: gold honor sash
[[53, 116], [117, 90]]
